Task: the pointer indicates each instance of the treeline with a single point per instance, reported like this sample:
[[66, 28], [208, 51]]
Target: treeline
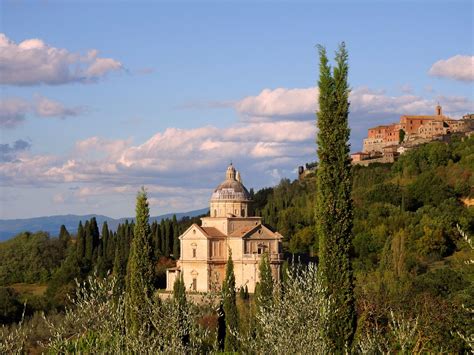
[[59, 262]]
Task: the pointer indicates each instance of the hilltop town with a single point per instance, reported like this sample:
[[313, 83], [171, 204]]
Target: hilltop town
[[385, 143]]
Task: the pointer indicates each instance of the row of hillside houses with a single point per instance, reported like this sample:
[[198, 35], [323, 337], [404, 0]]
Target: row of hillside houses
[[384, 143]]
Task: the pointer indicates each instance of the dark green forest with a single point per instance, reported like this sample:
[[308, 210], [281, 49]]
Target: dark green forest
[[408, 252]]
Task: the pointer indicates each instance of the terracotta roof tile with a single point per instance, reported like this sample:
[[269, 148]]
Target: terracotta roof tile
[[242, 231], [213, 232]]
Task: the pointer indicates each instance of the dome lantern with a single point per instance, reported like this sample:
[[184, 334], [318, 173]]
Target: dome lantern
[[230, 173]]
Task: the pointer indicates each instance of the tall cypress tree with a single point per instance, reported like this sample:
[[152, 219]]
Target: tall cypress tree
[[95, 232], [230, 307], [334, 214], [176, 246], [163, 237], [89, 243], [179, 297], [80, 242], [64, 237], [264, 291], [139, 281]]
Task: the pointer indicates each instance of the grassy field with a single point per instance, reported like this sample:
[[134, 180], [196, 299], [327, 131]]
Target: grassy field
[[24, 289]]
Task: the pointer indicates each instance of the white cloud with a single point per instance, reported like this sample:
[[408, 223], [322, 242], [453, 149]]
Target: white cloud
[[278, 102], [173, 158], [459, 67], [13, 110], [297, 104], [97, 147], [45, 107], [33, 62]]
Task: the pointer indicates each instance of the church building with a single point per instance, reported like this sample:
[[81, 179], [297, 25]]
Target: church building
[[230, 227]]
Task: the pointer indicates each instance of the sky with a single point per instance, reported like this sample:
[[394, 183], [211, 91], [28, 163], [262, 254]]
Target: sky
[[99, 98]]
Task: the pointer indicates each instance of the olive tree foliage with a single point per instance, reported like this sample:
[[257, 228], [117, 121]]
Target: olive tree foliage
[[13, 339], [294, 322], [467, 335], [96, 323], [401, 335]]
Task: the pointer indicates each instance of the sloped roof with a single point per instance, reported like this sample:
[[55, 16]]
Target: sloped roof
[[213, 232], [242, 232]]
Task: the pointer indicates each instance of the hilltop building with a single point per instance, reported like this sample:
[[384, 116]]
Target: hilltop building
[[385, 143], [415, 129], [230, 227]]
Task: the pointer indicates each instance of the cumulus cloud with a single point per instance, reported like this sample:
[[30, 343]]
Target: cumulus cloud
[[459, 67], [13, 110], [280, 102], [175, 157], [45, 107], [33, 62], [295, 104], [8, 152]]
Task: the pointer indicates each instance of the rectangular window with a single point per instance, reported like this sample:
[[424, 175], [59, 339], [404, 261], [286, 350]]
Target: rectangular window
[[194, 284], [194, 252]]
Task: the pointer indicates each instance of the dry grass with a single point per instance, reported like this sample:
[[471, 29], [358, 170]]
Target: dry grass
[[36, 289]]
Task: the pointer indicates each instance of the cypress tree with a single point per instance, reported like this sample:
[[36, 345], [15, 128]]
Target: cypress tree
[[139, 281], [94, 232], [163, 237], [176, 246], [80, 242], [89, 243], [265, 286], [230, 307], [64, 237], [105, 238], [179, 296], [167, 238], [119, 268], [157, 242], [334, 214]]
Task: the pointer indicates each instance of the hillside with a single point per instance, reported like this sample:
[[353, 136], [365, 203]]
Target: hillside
[[408, 253], [51, 224]]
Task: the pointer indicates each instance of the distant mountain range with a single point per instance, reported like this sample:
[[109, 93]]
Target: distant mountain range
[[51, 224]]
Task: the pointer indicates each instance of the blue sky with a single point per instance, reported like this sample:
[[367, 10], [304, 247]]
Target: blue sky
[[178, 89]]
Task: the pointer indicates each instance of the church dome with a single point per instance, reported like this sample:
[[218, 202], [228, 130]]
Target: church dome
[[232, 188]]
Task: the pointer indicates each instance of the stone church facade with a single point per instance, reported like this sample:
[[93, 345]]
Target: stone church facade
[[230, 227]]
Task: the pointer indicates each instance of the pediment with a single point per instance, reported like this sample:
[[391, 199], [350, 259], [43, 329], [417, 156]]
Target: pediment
[[193, 232], [262, 232]]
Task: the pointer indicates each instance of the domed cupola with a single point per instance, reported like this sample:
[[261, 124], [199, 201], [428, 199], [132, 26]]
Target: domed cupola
[[230, 198]]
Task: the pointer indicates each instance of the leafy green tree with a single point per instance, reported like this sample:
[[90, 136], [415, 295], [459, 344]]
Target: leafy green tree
[[139, 281], [230, 307], [334, 213]]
